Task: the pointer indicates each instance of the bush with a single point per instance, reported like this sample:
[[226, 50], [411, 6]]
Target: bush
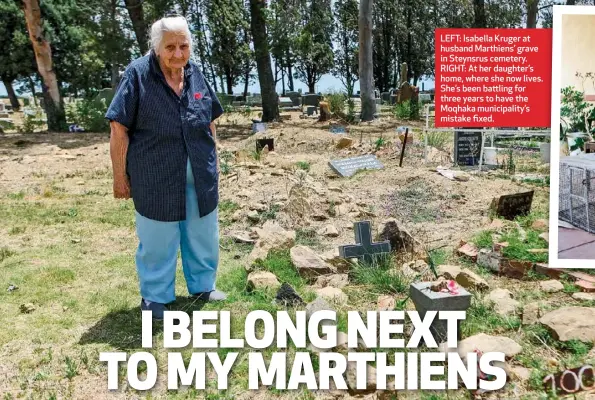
[[407, 110], [337, 103], [89, 114], [31, 123]]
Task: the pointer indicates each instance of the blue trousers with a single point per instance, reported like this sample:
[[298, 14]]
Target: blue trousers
[[159, 242]]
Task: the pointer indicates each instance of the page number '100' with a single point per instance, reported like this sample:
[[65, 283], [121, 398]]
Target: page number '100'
[[570, 381]]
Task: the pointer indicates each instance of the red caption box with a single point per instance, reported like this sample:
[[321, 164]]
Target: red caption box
[[493, 78]]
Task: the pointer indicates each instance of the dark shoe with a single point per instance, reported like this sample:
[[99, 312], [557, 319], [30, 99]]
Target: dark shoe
[[157, 309], [214, 295]]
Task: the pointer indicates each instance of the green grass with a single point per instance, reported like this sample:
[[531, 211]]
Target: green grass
[[381, 277], [481, 318], [483, 240]]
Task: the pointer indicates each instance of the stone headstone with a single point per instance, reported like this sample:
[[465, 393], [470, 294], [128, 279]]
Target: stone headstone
[[285, 102], [311, 110], [259, 127], [2, 107], [349, 166], [512, 205], [467, 147], [425, 299], [364, 249], [385, 97], [310, 100], [262, 143]]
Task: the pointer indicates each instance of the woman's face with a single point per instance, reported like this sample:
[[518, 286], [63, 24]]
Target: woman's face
[[175, 50]]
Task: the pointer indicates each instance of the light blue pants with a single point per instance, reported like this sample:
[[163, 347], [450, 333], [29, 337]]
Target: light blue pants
[[157, 253]]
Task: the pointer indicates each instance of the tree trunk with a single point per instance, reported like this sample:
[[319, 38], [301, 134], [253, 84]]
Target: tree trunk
[[365, 60], [115, 70], [229, 81], [246, 82], [270, 103], [14, 101], [479, 13], [135, 11], [570, 2], [289, 76], [532, 8], [43, 55]]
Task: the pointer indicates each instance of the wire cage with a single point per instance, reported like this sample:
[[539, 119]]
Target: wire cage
[[577, 197]]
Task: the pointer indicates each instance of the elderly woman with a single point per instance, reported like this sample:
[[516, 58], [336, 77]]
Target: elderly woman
[[164, 156]]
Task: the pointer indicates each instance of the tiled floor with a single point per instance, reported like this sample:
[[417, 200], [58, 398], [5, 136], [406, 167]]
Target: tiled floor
[[575, 244]]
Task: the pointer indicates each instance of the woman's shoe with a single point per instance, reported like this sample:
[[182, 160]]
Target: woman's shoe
[[156, 309]]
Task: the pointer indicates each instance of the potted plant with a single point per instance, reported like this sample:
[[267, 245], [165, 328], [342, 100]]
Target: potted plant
[[574, 114]]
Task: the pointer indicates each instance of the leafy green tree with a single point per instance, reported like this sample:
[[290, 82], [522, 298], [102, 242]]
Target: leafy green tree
[[313, 47], [227, 27], [17, 60], [284, 18], [346, 38]]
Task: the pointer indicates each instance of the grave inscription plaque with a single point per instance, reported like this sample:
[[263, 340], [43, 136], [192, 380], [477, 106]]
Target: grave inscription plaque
[[467, 147], [348, 166], [512, 205]]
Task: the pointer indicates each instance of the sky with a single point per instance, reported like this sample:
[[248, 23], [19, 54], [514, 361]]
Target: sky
[[327, 83]]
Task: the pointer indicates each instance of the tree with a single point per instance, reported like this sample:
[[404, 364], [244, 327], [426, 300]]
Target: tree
[[270, 102], [227, 25], [313, 49], [479, 14], [532, 10], [365, 60], [43, 54], [283, 36], [346, 37], [17, 59], [135, 11]]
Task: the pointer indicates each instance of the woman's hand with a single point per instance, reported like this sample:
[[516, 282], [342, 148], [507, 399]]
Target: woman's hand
[[121, 187]]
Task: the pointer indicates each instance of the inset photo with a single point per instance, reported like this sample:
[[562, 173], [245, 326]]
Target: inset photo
[[572, 203]]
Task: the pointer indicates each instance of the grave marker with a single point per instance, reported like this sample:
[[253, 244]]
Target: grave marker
[[262, 143], [348, 166], [337, 129], [467, 147], [510, 206], [425, 299], [259, 127], [364, 249], [311, 110]]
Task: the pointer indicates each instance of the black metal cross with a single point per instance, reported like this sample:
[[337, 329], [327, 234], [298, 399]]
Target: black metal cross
[[364, 249]]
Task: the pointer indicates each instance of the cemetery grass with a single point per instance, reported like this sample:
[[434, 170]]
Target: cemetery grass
[[69, 248]]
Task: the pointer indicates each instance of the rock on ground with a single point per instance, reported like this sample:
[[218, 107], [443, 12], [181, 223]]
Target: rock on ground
[[584, 296], [504, 304], [338, 281], [332, 294], [464, 277], [487, 343], [552, 286], [386, 303], [271, 237], [570, 323], [309, 264], [262, 280], [400, 239], [369, 385], [531, 314]]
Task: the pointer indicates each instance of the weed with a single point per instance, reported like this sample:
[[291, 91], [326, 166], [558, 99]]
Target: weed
[[307, 237], [379, 143], [5, 253], [518, 249], [71, 368], [332, 210], [438, 256], [16, 230], [483, 240], [256, 154], [16, 196], [303, 165], [271, 213], [228, 206], [438, 140], [481, 318]]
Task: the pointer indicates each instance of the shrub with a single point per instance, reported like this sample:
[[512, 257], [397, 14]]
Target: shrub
[[89, 114], [337, 103]]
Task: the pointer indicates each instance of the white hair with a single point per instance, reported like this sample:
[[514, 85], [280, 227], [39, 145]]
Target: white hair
[[169, 24]]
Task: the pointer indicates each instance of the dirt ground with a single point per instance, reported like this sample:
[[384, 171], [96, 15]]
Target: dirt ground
[[70, 246]]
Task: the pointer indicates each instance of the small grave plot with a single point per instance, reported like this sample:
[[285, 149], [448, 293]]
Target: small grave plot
[[416, 202]]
